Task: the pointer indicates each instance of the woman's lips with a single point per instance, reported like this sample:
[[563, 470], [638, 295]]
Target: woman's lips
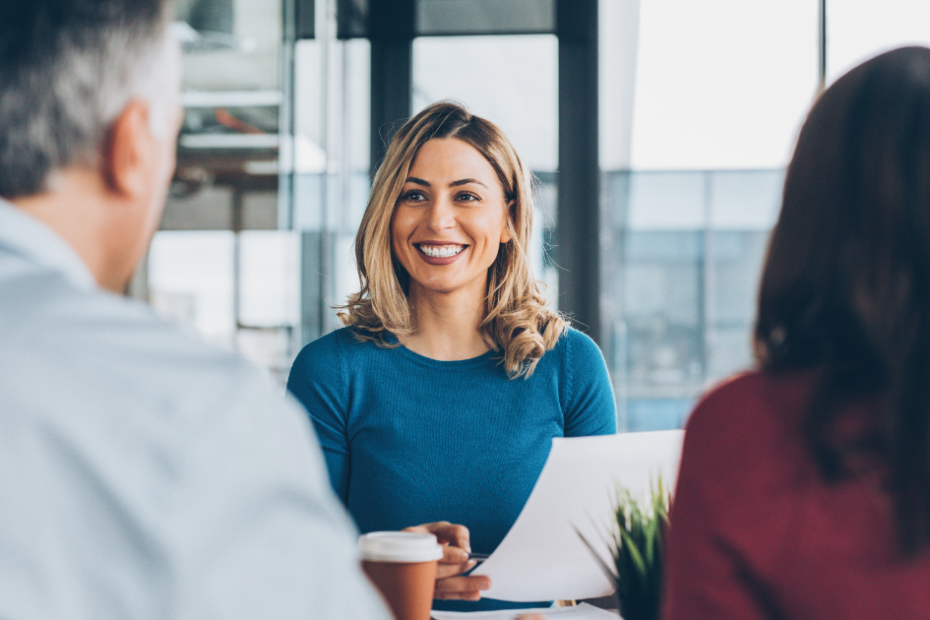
[[440, 253]]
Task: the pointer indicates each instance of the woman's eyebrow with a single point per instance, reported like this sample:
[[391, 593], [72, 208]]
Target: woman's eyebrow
[[466, 182], [420, 181]]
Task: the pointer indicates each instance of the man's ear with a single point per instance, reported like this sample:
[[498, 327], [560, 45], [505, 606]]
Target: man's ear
[[128, 157]]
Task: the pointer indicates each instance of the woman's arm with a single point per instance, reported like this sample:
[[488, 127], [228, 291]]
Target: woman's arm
[[317, 380], [589, 407]]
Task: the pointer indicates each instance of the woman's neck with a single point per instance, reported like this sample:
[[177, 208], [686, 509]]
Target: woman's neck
[[448, 326]]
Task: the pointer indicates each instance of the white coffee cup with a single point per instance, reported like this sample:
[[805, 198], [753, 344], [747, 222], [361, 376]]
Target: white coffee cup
[[403, 567]]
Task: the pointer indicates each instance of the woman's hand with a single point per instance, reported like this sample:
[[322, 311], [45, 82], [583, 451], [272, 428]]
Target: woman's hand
[[450, 583]]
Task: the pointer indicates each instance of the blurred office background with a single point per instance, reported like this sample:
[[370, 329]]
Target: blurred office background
[[658, 129]]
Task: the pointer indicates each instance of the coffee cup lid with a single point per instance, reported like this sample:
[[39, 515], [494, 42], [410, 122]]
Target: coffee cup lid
[[399, 547]]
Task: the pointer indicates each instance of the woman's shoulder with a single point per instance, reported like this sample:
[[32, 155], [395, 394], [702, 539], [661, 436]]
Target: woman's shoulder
[[326, 345], [576, 347], [573, 354], [582, 376], [343, 339], [578, 339], [331, 350], [753, 420], [754, 398]]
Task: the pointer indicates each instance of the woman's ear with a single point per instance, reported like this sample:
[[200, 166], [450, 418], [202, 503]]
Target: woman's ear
[[508, 232]]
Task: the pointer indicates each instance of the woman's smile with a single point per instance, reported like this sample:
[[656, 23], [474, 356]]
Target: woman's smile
[[440, 250]]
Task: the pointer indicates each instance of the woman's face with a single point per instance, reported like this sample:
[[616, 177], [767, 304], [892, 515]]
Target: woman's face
[[450, 220]]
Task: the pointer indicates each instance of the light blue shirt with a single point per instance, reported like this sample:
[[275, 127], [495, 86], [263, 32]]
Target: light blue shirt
[[147, 475]]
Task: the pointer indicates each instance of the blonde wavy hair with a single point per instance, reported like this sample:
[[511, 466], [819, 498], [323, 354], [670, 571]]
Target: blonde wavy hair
[[517, 320]]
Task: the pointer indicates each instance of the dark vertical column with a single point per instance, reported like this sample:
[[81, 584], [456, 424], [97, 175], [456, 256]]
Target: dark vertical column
[[391, 31], [304, 19], [579, 216]]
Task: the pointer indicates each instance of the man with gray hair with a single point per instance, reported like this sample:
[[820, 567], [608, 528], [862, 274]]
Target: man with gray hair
[[142, 474]]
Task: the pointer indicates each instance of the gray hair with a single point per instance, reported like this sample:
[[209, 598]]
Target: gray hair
[[67, 70]]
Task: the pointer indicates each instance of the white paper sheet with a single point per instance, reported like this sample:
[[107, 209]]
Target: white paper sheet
[[542, 557], [579, 612]]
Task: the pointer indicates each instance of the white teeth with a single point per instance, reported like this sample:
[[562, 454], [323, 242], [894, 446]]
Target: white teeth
[[441, 251]]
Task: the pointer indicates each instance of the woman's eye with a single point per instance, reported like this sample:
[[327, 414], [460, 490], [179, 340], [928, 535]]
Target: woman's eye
[[413, 196], [468, 197]]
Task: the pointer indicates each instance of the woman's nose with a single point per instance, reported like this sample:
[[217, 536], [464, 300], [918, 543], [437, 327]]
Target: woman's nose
[[441, 215]]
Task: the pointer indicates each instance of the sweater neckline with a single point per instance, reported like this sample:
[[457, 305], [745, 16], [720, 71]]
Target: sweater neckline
[[422, 360]]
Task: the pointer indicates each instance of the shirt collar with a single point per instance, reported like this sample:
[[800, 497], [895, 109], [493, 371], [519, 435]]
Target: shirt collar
[[27, 236]]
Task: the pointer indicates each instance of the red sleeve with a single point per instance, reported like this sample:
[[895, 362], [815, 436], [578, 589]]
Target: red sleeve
[[726, 520]]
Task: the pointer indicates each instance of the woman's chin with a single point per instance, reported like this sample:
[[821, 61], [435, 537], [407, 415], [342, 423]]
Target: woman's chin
[[445, 287], [438, 289]]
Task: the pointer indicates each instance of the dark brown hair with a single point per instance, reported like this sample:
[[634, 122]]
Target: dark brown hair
[[846, 284]]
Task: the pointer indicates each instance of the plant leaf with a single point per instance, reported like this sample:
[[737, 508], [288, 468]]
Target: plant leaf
[[611, 576], [635, 555]]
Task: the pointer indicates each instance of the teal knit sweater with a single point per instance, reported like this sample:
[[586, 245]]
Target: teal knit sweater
[[411, 440]]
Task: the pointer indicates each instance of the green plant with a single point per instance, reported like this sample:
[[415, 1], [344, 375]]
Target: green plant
[[637, 545]]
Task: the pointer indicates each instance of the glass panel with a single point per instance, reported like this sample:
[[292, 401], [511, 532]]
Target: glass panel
[[618, 41], [721, 84], [229, 282], [700, 107], [683, 260], [859, 29], [190, 278], [331, 173], [655, 309], [743, 208], [520, 96], [745, 200], [228, 148], [231, 44], [269, 298]]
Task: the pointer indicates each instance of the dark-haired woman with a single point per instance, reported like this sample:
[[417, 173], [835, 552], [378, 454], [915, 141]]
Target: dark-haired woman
[[804, 489]]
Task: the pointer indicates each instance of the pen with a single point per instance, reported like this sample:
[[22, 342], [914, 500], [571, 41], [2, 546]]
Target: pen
[[479, 556]]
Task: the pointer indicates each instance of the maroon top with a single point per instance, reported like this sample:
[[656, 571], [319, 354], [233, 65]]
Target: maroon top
[[755, 531]]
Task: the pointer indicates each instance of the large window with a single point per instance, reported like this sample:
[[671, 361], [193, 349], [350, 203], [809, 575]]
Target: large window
[[700, 104]]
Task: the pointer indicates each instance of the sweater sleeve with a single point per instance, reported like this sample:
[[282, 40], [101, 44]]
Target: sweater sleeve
[[590, 408], [318, 381], [719, 504]]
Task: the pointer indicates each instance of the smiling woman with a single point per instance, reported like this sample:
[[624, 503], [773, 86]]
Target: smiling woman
[[470, 155], [439, 400]]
